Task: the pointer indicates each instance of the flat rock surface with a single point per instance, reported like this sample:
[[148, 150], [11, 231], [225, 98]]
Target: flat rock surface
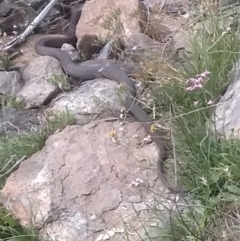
[[84, 181]]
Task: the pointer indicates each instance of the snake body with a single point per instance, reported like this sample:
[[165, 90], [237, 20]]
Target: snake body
[[51, 46]]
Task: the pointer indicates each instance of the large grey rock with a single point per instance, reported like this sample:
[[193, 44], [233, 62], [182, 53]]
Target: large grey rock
[[37, 75], [93, 13], [90, 100], [85, 181], [227, 115]]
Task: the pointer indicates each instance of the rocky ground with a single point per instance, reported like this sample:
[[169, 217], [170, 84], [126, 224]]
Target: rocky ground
[[96, 172]]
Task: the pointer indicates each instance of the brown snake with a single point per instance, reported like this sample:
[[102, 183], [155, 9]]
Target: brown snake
[[51, 46]]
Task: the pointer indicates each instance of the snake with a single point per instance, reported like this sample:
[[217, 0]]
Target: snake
[[51, 46]]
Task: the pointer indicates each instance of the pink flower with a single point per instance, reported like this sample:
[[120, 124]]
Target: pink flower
[[190, 88], [197, 82], [205, 74]]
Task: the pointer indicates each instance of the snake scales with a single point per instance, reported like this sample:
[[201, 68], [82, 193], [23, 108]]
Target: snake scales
[[51, 46]]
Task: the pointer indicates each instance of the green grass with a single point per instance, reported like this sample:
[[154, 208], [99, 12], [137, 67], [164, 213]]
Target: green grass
[[10, 230], [6, 61], [210, 168]]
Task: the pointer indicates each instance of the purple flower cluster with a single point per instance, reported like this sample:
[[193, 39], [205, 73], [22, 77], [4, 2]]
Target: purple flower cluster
[[197, 82]]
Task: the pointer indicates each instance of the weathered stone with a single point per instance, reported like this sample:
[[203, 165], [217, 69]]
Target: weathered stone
[[179, 28], [79, 183], [93, 13], [170, 6], [36, 75], [18, 121], [226, 115], [166, 34], [141, 47], [91, 99]]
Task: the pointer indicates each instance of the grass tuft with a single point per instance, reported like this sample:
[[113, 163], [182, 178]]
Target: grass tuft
[[210, 166]]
